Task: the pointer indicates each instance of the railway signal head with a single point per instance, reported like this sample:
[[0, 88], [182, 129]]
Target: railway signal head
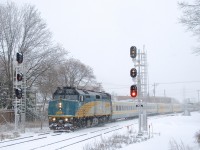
[[18, 93], [19, 77], [19, 58], [133, 72], [133, 51], [133, 91]]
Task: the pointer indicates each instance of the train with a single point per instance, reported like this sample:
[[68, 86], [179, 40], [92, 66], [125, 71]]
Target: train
[[73, 108]]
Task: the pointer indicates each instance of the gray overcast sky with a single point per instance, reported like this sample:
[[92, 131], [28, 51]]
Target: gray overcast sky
[[100, 33]]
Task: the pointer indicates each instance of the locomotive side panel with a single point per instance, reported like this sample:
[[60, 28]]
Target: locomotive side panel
[[94, 108]]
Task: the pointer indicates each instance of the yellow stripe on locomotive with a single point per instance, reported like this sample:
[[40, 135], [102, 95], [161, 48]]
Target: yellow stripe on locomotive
[[97, 108]]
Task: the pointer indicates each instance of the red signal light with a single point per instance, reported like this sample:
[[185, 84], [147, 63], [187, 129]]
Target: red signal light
[[133, 91], [133, 94]]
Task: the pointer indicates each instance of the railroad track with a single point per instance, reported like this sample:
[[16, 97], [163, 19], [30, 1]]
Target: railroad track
[[34, 142], [63, 140], [78, 139]]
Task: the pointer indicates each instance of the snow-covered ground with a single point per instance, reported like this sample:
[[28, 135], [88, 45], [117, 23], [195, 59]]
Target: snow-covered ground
[[179, 128], [163, 129]]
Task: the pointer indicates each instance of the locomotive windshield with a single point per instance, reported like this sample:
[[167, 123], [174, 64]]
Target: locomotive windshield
[[65, 93], [68, 97]]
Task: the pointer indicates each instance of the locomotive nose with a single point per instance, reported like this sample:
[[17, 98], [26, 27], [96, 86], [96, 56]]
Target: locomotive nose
[[60, 121]]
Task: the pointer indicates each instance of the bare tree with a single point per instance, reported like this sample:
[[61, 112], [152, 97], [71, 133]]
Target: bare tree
[[43, 62], [47, 85], [73, 73], [9, 38], [23, 30], [191, 19], [95, 86]]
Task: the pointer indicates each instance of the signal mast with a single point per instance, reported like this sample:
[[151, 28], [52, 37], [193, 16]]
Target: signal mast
[[139, 88], [19, 86]]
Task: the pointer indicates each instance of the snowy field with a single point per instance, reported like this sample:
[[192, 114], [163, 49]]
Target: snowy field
[[180, 128], [163, 129]]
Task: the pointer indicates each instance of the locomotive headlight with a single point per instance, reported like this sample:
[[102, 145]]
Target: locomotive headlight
[[54, 119], [59, 105], [66, 119]]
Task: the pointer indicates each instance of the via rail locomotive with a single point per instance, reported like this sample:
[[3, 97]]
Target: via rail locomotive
[[73, 108]]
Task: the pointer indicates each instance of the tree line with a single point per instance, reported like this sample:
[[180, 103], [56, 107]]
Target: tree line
[[46, 63]]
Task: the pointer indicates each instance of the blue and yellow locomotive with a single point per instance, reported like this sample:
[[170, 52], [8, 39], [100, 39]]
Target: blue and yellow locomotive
[[74, 108]]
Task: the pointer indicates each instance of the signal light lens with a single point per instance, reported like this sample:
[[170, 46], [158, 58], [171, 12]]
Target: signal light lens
[[133, 72], [133, 94], [19, 77], [133, 91], [19, 58], [18, 93], [133, 51]]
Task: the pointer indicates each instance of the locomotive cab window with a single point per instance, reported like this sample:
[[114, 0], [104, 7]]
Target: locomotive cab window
[[61, 96], [81, 98], [97, 97]]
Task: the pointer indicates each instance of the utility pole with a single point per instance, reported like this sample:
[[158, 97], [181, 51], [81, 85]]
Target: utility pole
[[164, 93], [154, 91], [198, 95]]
